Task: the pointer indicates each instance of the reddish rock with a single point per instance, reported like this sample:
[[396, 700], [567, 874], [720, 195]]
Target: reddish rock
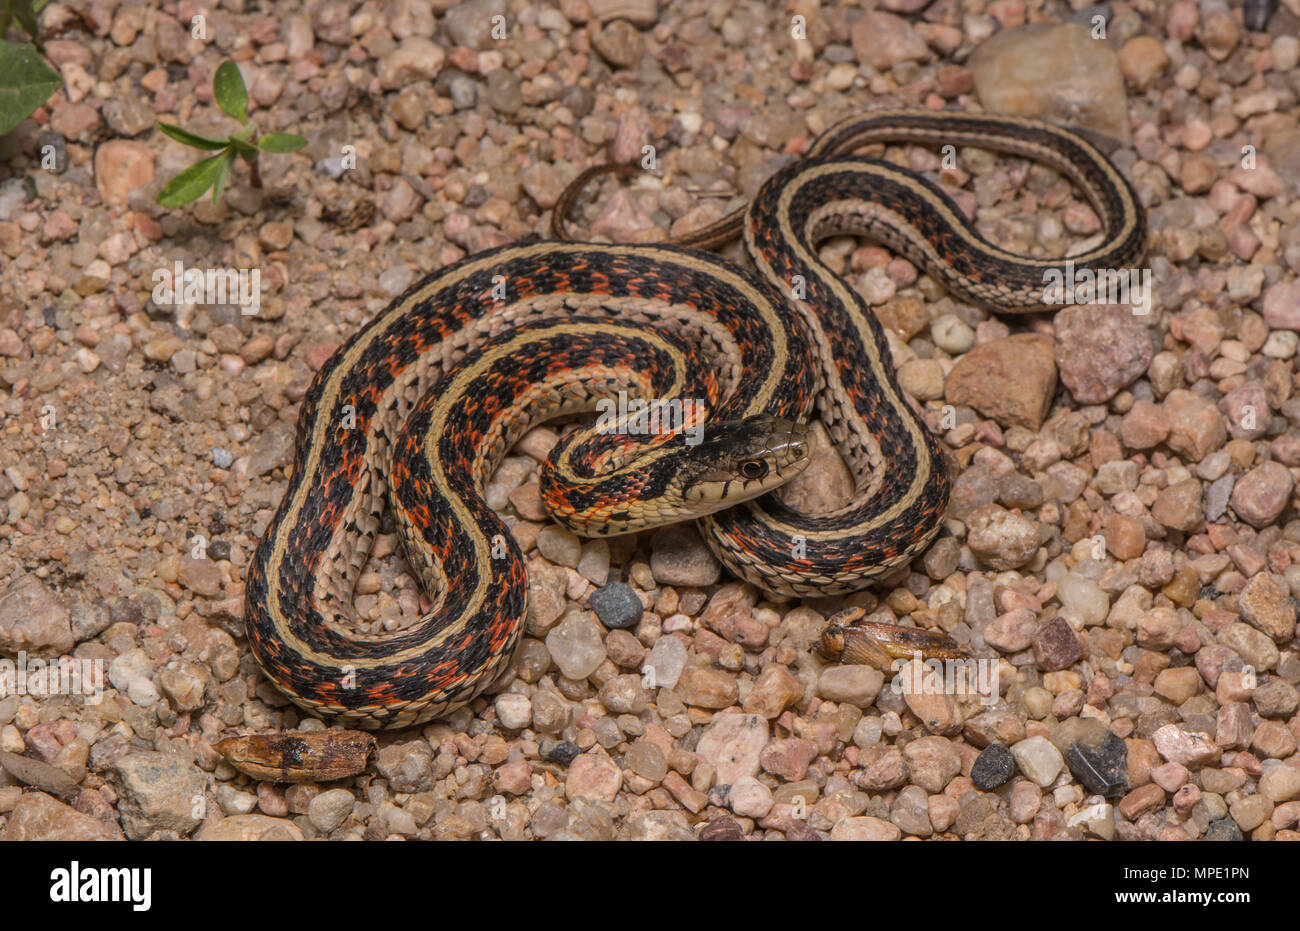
[[882, 40], [514, 777], [865, 827], [1099, 350], [1141, 800], [1196, 427], [788, 758], [1011, 380], [1262, 493], [1144, 426], [121, 166], [1266, 603], [1191, 749], [1056, 646], [774, 690], [1012, 632], [593, 775], [37, 816], [1180, 506]]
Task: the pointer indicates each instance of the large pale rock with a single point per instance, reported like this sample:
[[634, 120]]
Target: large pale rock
[[1056, 71]]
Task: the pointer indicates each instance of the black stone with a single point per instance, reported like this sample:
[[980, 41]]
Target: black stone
[[616, 604], [559, 751], [993, 767], [1223, 829], [1257, 13], [1102, 769]]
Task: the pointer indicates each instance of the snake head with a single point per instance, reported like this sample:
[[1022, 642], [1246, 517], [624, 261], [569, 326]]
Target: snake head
[[697, 472], [735, 460], [831, 643]]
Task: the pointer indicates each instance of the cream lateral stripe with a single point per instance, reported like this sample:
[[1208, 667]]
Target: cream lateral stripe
[[834, 389], [876, 135], [627, 379], [941, 206], [563, 467], [795, 244], [924, 465], [482, 550], [378, 326]]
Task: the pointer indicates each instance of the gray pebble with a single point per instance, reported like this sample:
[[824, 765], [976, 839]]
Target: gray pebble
[[1223, 829], [13, 195], [332, 166], [464, 93], [503, 94], [330, 809], [679, 557], [559, 751], [616, 604], [993, 767]]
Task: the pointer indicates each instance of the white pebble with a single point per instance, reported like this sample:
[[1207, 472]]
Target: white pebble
[[952, 334], [514, 711], [1281, 344]]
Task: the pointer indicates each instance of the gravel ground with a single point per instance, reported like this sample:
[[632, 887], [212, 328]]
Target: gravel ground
[[1123, 541]]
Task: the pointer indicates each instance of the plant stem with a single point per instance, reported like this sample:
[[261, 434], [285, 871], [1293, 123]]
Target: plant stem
[[254, 175]]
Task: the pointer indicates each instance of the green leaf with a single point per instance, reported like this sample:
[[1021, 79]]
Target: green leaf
[[247, 151], [223, 172], [190, 184], [26, 82], [229, 91], [279, 143], [23, 12], [186, 137]]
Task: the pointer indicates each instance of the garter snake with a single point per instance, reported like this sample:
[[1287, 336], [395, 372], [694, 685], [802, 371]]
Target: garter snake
[[422, 403]]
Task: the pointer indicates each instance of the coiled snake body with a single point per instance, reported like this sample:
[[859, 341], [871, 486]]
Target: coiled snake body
[[422, 403]]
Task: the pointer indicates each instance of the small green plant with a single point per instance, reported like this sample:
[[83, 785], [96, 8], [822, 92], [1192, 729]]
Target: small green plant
[[25, 12], [232, 97], [26, 81]]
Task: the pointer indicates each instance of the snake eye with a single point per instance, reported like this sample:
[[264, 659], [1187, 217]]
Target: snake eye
[[753, 468]]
